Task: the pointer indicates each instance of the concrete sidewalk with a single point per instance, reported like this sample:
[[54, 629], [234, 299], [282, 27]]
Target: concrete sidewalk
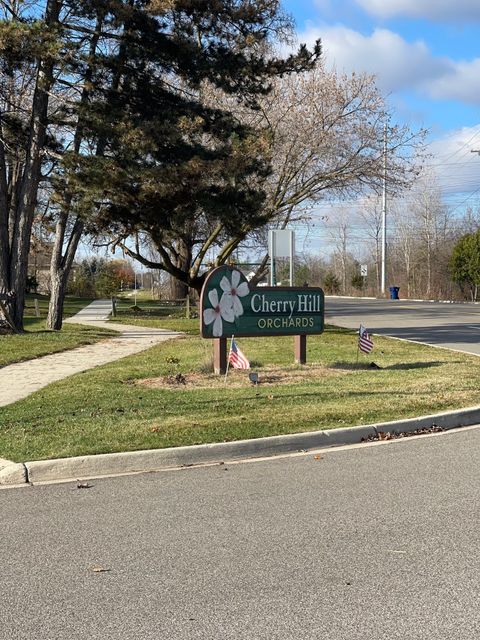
[[19, 380]]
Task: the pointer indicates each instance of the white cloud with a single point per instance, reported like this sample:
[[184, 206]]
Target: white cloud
[[398, 64], [458, 11], [461, 82]]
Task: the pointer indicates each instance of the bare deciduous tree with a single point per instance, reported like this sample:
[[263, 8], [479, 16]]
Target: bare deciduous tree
[[371, 216], [423, 231], [323, 135]]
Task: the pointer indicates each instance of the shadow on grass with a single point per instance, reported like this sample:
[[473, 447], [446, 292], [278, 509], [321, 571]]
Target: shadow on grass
[[414, 365], [355, 366], [403, 366], [269, 395]]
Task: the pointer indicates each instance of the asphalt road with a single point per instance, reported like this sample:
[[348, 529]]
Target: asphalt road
[[456, 326], [380, 542]]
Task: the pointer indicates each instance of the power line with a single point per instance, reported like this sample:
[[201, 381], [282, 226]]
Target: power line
[[466, 199], [451, 164], [367, 200], [477, 133]]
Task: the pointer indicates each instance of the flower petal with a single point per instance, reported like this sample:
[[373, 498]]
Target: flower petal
[[226, 307], [218, 326], [226, 300], [242, 289], [213, 297], [237, 306], [235, 279], [209, 316], [225, 284]]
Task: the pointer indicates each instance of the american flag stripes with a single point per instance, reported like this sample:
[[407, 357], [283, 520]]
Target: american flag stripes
[[236, 357], [365, 343]]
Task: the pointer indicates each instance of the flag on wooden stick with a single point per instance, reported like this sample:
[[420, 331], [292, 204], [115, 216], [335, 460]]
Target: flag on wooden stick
[[237, 358], [365, 343]]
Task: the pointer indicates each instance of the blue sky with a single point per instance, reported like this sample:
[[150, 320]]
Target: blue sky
[[426, 57]]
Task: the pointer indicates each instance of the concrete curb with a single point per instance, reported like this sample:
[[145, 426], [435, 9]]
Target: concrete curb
[[13, 474], [109, 464]]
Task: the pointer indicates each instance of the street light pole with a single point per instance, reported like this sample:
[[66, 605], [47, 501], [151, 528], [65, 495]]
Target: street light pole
[[384, 211]]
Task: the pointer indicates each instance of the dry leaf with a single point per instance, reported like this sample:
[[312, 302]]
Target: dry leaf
[[317, 457], [393, 435], [99, 569], [84, 485]]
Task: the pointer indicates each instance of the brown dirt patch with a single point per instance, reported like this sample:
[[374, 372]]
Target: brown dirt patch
[[268, 377]]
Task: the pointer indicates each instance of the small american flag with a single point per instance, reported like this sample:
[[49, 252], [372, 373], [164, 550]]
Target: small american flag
[[236, 357], [365, 343]]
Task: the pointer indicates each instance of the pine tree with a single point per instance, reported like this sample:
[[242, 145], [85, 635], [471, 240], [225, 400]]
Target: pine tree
[[465, 263], [174, 167]]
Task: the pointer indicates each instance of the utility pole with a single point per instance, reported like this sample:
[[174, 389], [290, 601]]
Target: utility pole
[[384, 211]]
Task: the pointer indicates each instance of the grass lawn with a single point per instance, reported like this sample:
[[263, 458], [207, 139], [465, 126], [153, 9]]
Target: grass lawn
[[155, 313], [107, 410], [128, 296], [38, 341]]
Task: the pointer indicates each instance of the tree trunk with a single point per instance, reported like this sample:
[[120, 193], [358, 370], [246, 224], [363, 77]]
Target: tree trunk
[[409, 279], [60, 267], [344, 261], [429, 271], [61, 264], [57, 297], [182, 261], [178, 289], [13, 270]]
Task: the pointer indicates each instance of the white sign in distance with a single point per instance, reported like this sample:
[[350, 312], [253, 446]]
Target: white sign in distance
[[281, 243], [364, 270]]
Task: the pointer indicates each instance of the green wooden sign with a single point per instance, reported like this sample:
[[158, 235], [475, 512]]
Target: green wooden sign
[[230, 308]]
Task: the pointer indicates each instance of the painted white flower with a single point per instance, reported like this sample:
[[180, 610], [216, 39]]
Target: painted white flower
[[233, 291], [221, 310]]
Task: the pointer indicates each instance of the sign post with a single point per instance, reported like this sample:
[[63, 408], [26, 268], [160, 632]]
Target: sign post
[[301, 349], [220, 356], [364, 273], [230, 307]]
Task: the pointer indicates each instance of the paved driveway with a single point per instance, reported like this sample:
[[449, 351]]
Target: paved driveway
[[372, 543], [456, 326]]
